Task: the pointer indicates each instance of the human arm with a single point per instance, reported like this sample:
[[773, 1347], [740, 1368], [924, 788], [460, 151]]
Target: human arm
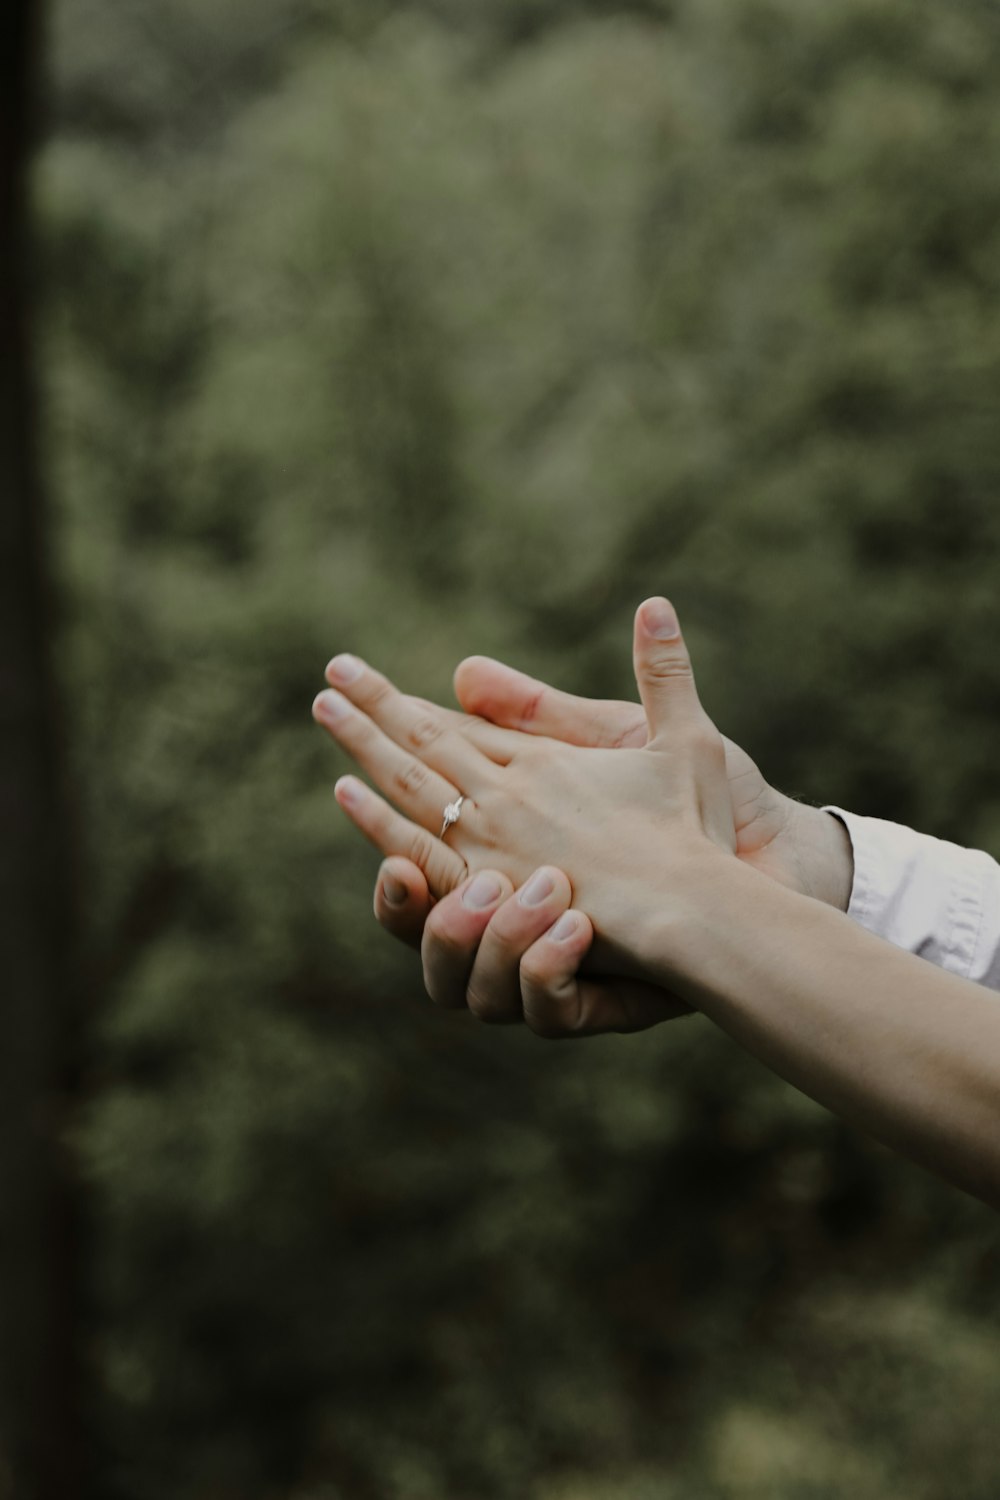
[[923, 894], [896, 1046]]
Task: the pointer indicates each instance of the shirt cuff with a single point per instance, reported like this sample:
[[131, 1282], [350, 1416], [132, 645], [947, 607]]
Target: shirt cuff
[[926, 895]]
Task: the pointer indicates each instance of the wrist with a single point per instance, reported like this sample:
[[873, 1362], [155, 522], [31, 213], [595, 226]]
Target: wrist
[[699, 947], [823, 854], [668, 931]]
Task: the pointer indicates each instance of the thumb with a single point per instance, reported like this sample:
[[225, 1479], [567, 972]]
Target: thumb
[[663, 669]]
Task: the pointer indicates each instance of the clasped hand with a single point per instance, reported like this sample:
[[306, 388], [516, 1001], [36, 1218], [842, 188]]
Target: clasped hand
[[622, 827]]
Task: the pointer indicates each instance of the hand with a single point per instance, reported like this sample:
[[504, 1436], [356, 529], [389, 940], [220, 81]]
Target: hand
[[799, 846], [521, 957], [516, 978], [623, 823]]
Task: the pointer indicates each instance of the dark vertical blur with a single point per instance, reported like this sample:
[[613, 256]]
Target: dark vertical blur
[[39, 1447]]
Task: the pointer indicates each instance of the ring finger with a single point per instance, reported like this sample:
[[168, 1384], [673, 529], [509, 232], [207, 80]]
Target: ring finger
[[420, 792], [391, 833]]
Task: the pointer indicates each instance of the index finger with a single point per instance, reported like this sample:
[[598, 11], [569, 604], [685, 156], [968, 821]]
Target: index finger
[[417, 726]]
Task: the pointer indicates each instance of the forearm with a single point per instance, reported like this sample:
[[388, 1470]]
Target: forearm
[[890, 1043]]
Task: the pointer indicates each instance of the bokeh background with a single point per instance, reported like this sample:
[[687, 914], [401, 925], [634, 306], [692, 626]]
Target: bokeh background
[[428, 327]]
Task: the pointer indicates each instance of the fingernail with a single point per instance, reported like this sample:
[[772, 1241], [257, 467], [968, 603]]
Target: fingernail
[[567, 924], [344, 669], [331, 706], [660, 620], [395, 891], [538, 888], [346, 791], [483, 892]]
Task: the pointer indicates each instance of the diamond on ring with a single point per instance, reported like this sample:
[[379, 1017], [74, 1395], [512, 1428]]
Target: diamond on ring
[[452, 813]]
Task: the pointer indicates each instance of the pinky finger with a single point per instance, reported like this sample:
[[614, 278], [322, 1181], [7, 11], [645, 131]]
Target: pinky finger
[[390, 832]]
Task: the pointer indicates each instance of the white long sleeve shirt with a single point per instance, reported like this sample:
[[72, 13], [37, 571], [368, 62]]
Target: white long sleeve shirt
[[926, 895]]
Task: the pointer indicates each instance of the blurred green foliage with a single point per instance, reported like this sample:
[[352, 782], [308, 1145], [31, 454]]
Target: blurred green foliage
[[423, 329]]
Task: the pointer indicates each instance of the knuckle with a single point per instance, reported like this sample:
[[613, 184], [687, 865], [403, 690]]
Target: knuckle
[[421, 849], [535, 986], [535, 977], [706, 741], [632, 734], [377, 690], [411, 778], [532, 706], [669, 668], [487, 1008], [424, 732], [551, 1010], [507, 954], [544, 1024], [471, 724], [441, 945]]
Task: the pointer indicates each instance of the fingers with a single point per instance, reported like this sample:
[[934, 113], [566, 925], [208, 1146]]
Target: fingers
[[663, 669], [513, 958], [498, 744], [402, 900], [415, 726], [552, 992], [504, 696], [493, 986], [420, 791], [453, 933], [559, 1003], [391, 833]]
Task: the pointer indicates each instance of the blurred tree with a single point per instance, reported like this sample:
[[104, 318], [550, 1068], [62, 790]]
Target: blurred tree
[[420, 328]]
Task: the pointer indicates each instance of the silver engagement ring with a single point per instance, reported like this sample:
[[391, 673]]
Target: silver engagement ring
[[452, 813]]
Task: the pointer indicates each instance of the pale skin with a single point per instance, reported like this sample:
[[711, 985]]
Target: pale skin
[[472, 943], [646, 837]]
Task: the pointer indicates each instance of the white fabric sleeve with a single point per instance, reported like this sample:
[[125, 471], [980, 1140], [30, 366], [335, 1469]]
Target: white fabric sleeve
[[926, 895]]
